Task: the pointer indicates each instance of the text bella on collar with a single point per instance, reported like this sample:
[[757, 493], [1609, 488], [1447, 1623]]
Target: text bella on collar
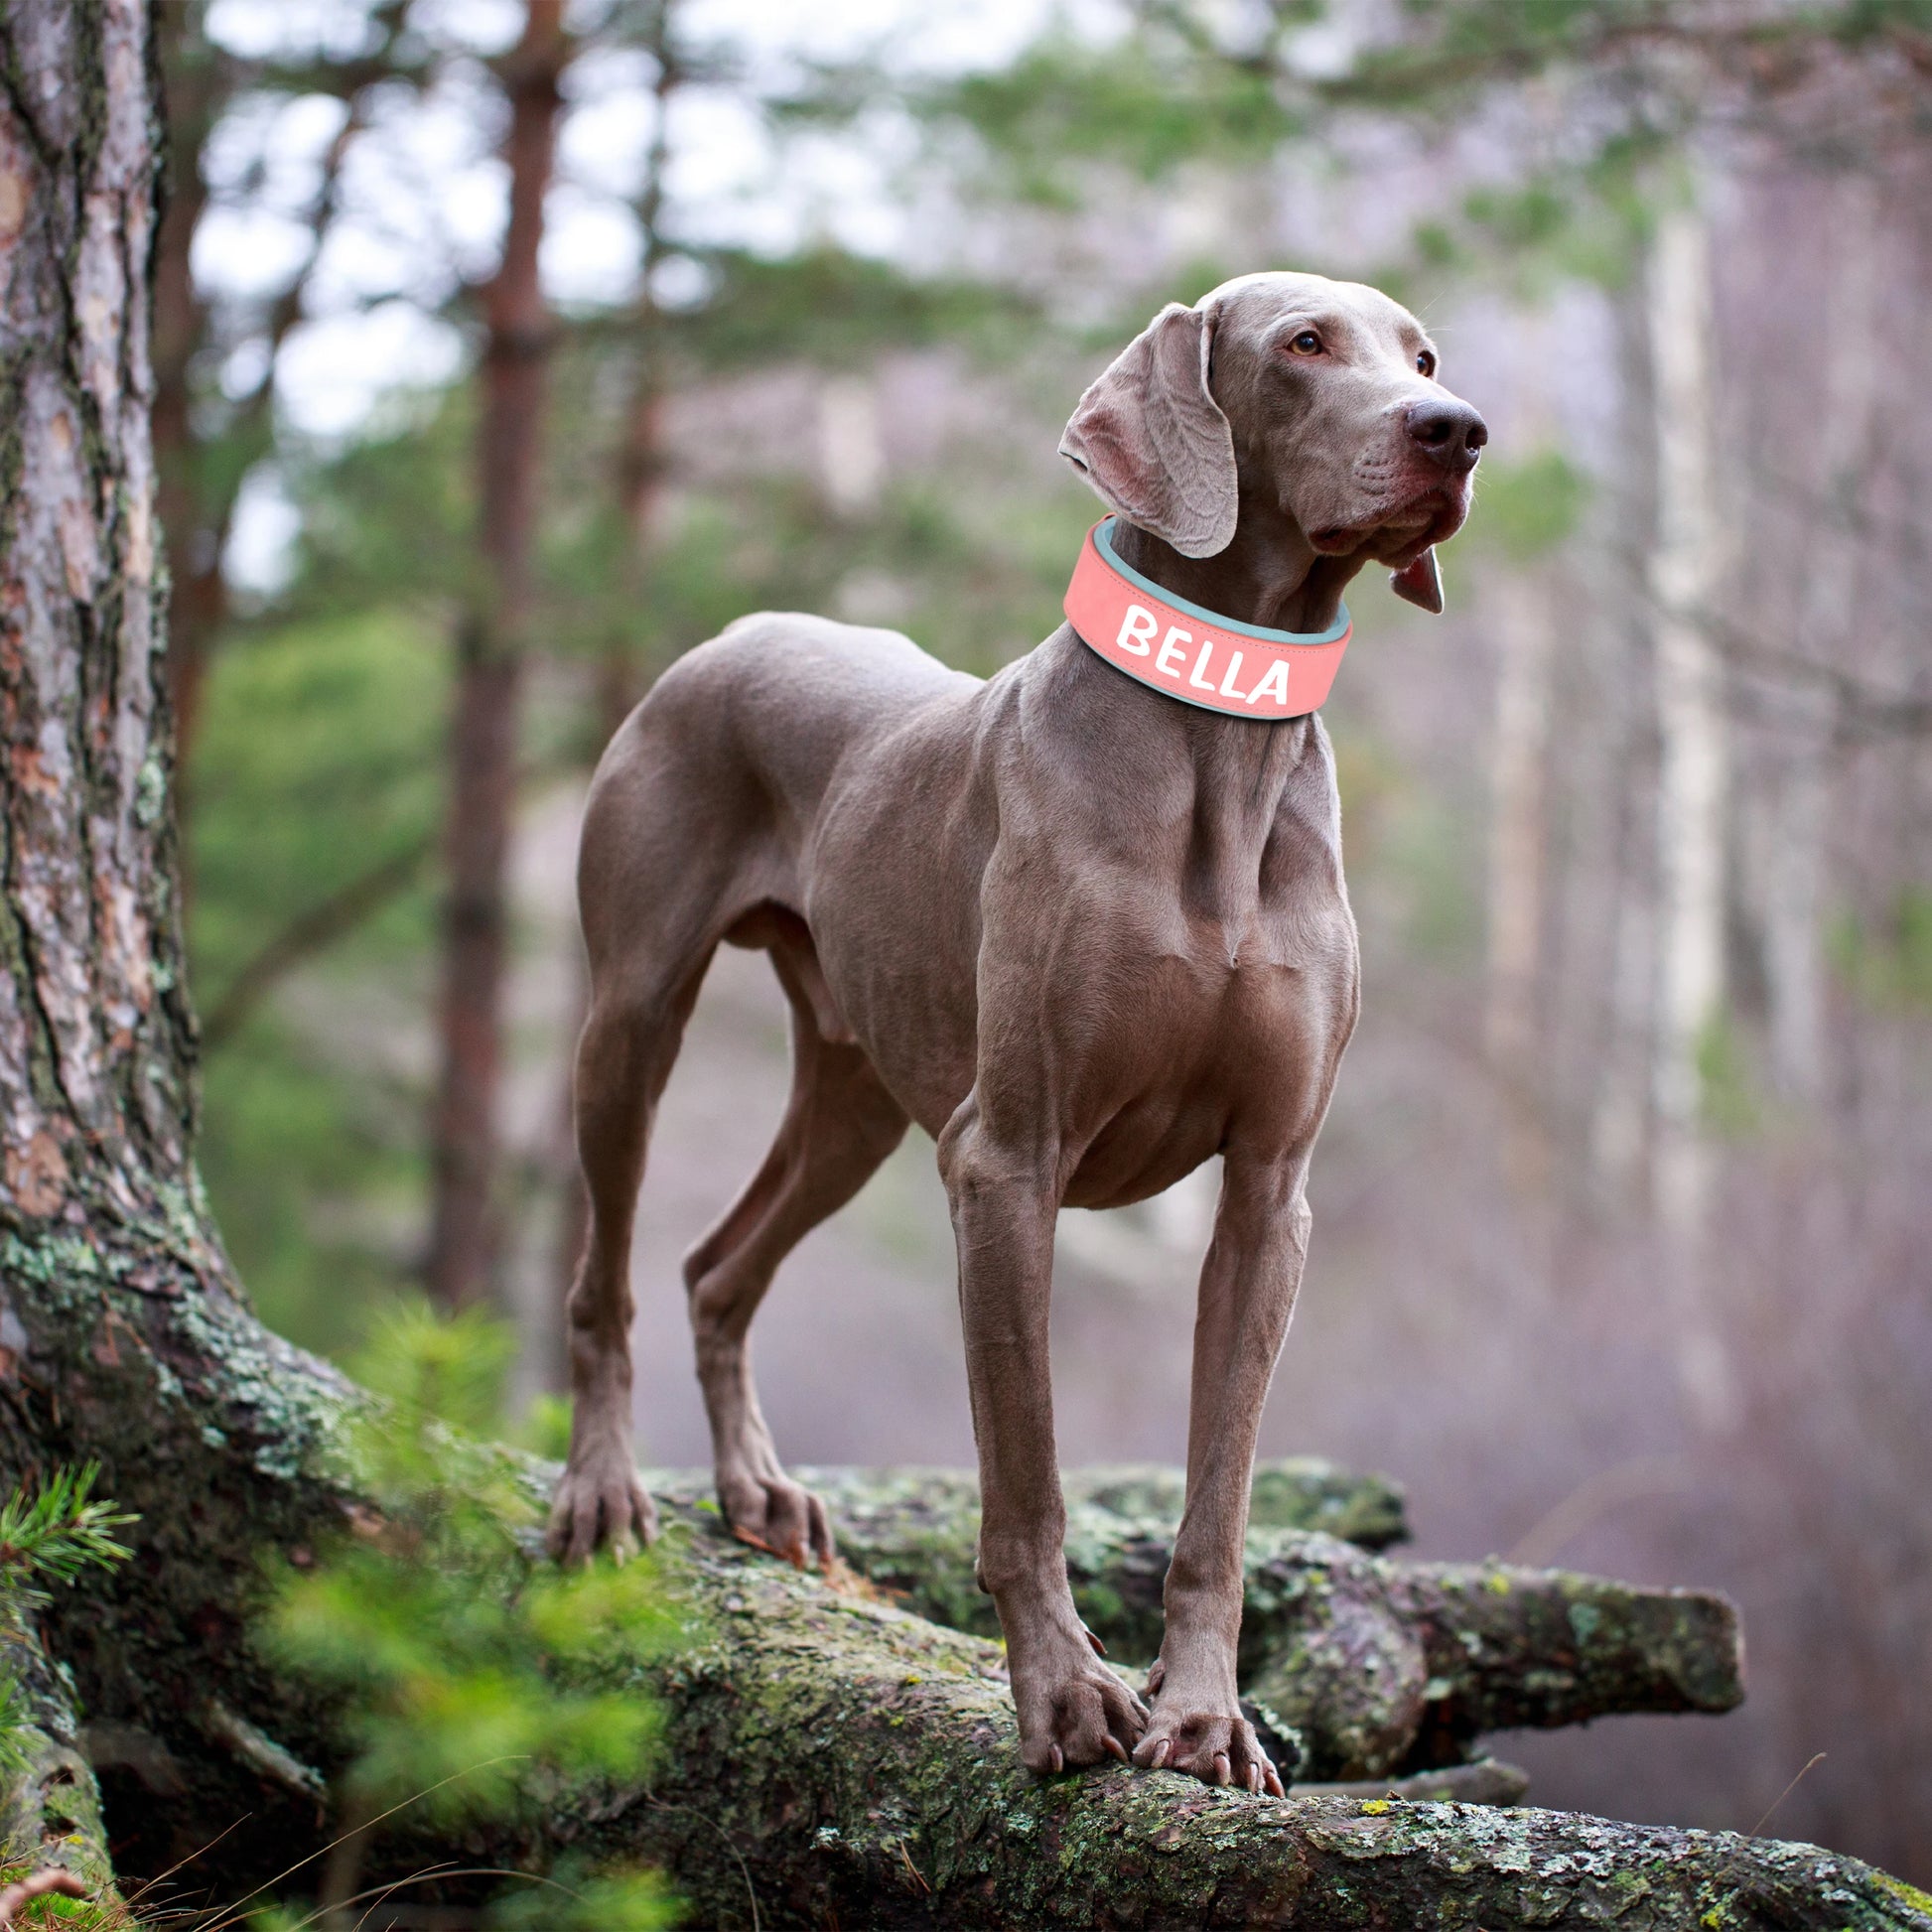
[[1191, 653]]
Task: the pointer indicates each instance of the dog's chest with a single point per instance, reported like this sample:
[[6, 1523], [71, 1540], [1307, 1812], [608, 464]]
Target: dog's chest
[[1195, 1026]]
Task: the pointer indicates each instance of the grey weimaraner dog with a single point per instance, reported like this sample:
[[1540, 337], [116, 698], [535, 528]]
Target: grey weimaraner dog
[[1085, 935]]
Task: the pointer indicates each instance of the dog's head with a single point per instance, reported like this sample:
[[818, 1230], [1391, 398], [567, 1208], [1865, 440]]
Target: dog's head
[[1286, 396]]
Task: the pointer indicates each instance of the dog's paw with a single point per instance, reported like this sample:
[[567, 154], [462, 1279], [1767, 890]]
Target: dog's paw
[[1215, 1747], [1082, 1714], [601, 1502], [774, 1514]]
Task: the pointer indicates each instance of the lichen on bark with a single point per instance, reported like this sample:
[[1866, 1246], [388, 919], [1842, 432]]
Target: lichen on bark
[[1381, 1668]]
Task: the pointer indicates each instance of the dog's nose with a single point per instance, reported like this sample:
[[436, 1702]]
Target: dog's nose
[[1449, 430]]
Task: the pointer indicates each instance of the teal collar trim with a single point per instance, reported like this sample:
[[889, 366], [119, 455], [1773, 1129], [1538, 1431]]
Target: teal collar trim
[[1103, 538]]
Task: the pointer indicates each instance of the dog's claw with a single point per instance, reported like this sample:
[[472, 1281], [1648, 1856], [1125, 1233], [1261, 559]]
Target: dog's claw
[[1099, 1648], [1219, 1751], [779, 1516], [600, 1501], [1073, 1710]]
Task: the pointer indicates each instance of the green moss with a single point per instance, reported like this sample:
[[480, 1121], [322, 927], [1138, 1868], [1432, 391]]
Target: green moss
[[1919, 1902]]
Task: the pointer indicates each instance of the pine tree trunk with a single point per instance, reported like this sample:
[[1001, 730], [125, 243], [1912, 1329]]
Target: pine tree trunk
[[489, 676], [620, 676], [1691, 787], [1517, 833], [1798, 811], [197, 589]]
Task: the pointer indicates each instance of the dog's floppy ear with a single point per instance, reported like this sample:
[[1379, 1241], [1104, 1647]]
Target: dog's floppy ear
[[1421, 583], [1151, 440]]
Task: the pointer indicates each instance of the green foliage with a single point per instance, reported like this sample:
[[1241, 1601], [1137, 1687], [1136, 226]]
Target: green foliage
[[389, 518], [56, 1532], [546, 1427], [470, 1677], [1452, 47], [1531, 506], [1427, 874], [609, 1902], [49, 1534], [1889, 962], [1728, 1096], [835, 310], [1148, 104], [317, 755], [460, 1663], [318, 760], [437, 1372]]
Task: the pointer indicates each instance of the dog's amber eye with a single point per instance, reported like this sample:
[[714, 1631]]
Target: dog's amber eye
[[1425, 363], [1308, 342]]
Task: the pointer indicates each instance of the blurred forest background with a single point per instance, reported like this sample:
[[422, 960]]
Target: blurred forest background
[[508, 347]]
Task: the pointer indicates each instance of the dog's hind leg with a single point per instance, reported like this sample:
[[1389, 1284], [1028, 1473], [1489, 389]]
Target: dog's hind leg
[[838, 1126], [661, 875], [623, 1059]]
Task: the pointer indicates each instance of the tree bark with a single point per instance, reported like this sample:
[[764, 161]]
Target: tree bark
[[490, 648], [193, 86], [201, 469], [49, 1819]]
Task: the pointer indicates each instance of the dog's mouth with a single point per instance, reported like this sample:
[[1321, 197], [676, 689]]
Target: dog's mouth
[[1400, 534]]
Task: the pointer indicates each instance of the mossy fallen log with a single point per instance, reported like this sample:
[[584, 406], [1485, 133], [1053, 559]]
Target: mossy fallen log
[[1381, 1667], [834, 1760], [1387, 1667], [826, 1752], [50, 1810]]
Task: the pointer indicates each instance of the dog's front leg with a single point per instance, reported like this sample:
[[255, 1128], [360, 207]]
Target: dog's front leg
[[1247, 1293], [1073, 1709]]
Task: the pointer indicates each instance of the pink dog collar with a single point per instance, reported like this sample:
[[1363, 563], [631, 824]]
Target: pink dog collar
[[1191, 653]]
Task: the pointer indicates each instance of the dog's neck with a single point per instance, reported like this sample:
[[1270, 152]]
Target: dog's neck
[[1269, 575]]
